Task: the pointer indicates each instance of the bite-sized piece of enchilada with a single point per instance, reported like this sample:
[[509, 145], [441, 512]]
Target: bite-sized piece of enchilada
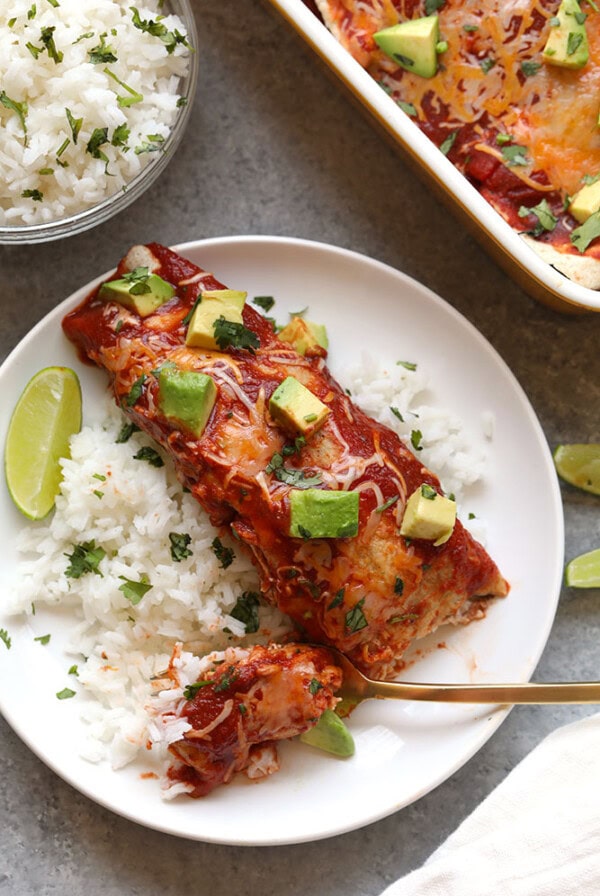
[[243, 701], [277, 452], [514, 110]]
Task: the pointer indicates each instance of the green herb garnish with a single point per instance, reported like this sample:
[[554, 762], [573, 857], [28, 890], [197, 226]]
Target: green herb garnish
[[65, 694], [224, 555], [20, 110], [150, 455], [235, 335], [355, 618], [135, 393], [135, 591], [264, 302], [529, 68], [582, 236], [179, 546], [43, 639], [315, 686], [190, 690], [102, 53], [5, 637], [126, 432], [515, 154], [85, 558], [74, 124], [337, 600], [246, 611], [36, 195], [546, 219]]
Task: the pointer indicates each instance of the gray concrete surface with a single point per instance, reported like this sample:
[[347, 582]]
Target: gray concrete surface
[[275, 148]]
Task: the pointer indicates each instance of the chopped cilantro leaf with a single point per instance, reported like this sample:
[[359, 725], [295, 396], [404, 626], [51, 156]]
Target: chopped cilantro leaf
[[337, 600], [432, 6], [179, 546], [296, 478], [428, 492], [74, 124], [190, 691], [135, 392], [397, 413], [408, 108], [102, 53], [85, 558], [47, 38], [150, 455], [355, 618], [583, 235], [135, 591], [43, 639], [415, 439], [573, 42], [5, 637], [264, 302], [157, 29], [387, 504], [529, 68], [246, 611], [36, 195], [487, 64], [65, 694], [448, 143], [20, 110], [224, 555], [409, 365], [515, 154], [126, 432], [235, 335], [315, 686], [125, 101], [546, 219]]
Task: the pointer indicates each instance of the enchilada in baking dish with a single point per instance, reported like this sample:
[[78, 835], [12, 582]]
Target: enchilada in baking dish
[[512, 101]]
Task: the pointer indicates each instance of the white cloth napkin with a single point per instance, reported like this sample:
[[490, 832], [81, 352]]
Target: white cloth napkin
[[536, 834]]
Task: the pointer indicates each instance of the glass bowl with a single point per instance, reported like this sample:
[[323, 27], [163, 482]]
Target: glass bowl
[[112, 205]]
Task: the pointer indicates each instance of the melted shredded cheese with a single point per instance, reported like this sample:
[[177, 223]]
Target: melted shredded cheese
[[553, 111]]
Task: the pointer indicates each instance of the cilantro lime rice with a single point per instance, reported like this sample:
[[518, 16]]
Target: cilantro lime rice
[[88, 95]]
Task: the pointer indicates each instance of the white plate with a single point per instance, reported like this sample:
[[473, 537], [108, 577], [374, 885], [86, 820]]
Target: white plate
[[403, 750]]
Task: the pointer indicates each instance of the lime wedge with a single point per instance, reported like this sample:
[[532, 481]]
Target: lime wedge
[[44, 419], [579, 465], [584, 571]]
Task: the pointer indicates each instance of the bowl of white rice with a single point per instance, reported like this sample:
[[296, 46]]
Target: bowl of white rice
[[94, 99]]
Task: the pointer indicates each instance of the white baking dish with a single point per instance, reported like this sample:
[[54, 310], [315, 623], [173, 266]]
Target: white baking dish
[[536, 276]]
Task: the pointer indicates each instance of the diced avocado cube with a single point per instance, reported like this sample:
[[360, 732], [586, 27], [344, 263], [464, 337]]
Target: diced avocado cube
[[428, 515], [413, 44], [143, 295], [567, 44], [585, 202], [304, 335], [201, 328], [228, 296], [320, 513], [330, 734], [186, 396], [296, 409]]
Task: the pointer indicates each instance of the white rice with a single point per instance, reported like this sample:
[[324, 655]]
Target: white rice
[[129, 508], [32, 162]]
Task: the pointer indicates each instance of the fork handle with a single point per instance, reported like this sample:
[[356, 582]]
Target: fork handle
[[520, 693]]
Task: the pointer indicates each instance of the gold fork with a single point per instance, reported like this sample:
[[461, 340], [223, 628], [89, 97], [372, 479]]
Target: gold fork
[[357, 687]]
